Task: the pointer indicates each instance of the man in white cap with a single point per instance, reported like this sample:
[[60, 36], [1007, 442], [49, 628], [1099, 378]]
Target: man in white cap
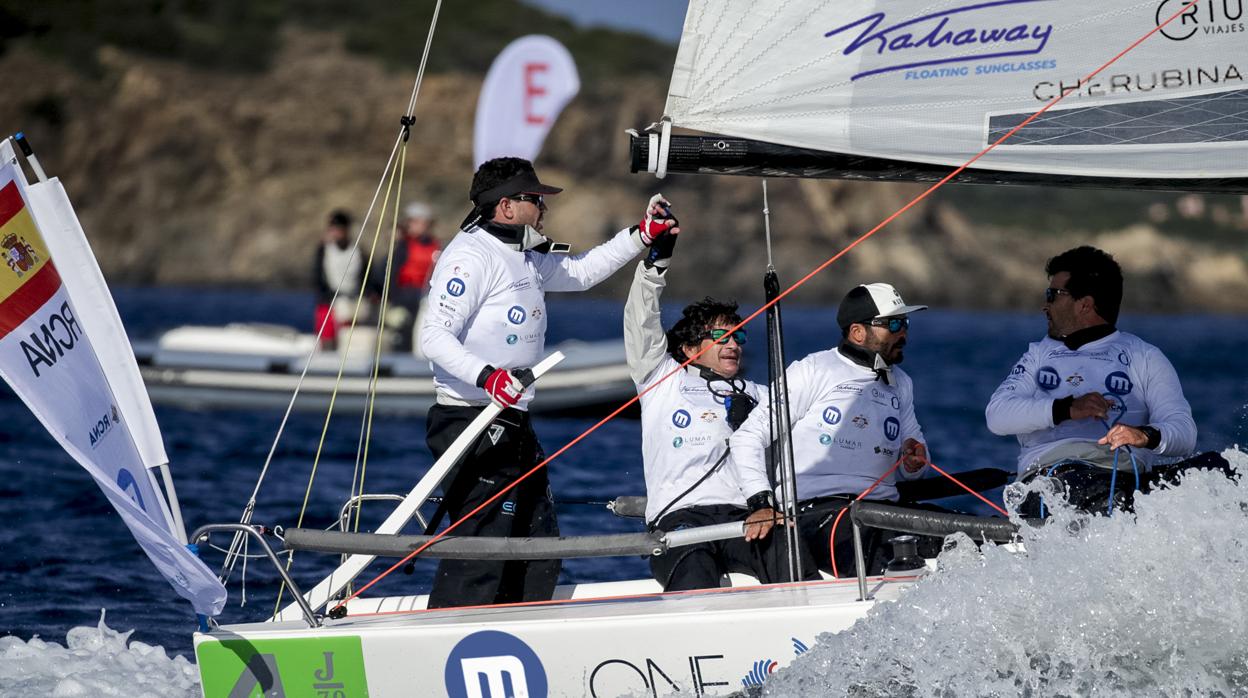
[[414, 256], [853, 419]]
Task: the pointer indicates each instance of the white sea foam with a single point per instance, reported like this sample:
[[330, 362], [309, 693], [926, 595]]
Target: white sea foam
[[1150, 605], [93, 662]]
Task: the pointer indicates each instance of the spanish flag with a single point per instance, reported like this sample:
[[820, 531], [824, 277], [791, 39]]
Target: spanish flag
[[28, 279]]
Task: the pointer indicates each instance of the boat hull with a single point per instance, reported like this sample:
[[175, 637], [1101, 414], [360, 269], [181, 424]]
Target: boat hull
[[259, 367], [711, 642]]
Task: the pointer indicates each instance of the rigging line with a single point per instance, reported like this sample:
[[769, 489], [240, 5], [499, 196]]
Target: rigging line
[[963, 485], [342, 363], [228, 565], [927, 192], [381, 315], [249, 508], [424, 59]]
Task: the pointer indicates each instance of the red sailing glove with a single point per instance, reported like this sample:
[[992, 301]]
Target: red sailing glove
[[504, 387], [658, 220]]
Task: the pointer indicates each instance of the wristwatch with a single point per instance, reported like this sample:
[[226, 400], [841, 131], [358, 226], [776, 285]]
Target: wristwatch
[[760, 501], [1153, 434]]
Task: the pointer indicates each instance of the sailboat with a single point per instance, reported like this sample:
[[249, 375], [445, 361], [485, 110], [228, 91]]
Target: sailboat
[[863, 81]]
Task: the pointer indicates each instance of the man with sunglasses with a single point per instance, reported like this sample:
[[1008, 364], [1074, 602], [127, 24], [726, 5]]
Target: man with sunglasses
[[687, 415], [486, 326], [853, 419], [1089, 398]]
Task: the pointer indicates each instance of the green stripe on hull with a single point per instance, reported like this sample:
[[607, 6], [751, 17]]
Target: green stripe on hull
[[322, 667]]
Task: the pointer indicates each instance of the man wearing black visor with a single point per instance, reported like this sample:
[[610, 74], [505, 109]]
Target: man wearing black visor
[[485, 328]]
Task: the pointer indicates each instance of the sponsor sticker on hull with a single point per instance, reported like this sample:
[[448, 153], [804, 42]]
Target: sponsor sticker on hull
[[329, 667]]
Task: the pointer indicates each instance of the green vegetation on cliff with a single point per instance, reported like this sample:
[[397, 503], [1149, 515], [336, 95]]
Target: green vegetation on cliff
[[244, 35]]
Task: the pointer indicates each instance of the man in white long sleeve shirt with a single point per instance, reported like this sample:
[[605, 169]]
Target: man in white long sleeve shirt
[[853, 419], [687, 415], [1089, 394], [485, 329]]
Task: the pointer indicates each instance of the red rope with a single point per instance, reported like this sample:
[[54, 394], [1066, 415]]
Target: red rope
[[961, 484], [839, 514], [862, 238], [836, 522]]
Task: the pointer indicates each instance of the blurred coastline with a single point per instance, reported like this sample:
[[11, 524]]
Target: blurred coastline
[[197, 155]]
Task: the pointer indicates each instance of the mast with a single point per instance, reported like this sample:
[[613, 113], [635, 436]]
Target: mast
[[778, 391]]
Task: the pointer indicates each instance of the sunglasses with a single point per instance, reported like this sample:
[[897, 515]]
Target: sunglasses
[[1051, 294], [893, 324], [721, 336], [535, 199]]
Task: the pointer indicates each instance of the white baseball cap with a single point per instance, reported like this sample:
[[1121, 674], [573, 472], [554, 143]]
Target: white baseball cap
[[869, 301]]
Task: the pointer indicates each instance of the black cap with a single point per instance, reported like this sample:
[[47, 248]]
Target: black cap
[[865, 303], [340, 218], [503, 177]]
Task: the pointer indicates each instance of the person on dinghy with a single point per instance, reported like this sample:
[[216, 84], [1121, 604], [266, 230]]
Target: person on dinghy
[[686, 421], [1089, 399], [336, 266], [487, 329], [415, 253], [853, 419]]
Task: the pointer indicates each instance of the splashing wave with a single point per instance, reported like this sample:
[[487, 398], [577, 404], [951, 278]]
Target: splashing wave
[[1150, 605]]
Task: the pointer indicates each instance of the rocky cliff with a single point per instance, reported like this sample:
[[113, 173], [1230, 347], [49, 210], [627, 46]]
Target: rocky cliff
[[186, 176]]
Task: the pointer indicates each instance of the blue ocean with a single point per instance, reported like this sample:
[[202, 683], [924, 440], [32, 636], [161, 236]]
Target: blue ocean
[[64, 555]]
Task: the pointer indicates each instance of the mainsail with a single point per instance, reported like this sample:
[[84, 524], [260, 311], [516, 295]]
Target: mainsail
[[48, 355], [873, 88]]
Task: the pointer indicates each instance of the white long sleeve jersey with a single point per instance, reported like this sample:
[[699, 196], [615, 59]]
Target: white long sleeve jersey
[[488, 306], [1133, 374], [848, 430], [684, 425]]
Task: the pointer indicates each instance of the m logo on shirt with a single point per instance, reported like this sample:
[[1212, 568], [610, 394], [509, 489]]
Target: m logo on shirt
[[456, 287], [832, 415], [1118, 383], [1047, 378], [516, 315], [892, 428], [681, 419]]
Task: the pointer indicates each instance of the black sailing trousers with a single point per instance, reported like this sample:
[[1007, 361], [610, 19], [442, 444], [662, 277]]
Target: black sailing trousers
[[701, 566], [506, 450]]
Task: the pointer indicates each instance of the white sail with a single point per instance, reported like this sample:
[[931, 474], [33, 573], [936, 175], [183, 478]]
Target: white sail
[[83, 280], [526, 88], [7, 155], [48, 357], [935, 81]]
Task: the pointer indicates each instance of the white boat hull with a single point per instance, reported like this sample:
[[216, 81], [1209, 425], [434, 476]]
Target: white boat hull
[[259, 367], [710, 642]]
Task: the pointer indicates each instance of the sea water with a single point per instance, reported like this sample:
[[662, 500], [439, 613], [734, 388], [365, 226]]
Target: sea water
[[93, 662], [1150, 604], [64, 556]]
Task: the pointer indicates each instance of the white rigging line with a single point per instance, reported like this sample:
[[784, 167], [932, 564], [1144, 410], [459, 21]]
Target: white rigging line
[[228, 566]]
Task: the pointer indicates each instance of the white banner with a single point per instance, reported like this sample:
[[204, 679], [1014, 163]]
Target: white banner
[[936, 81], [47, 357], [528, 85]]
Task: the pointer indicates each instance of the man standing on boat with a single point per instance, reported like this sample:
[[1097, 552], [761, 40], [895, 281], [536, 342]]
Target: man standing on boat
[[853, 420], [685, 424], [1089, 398], [487, 329]]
